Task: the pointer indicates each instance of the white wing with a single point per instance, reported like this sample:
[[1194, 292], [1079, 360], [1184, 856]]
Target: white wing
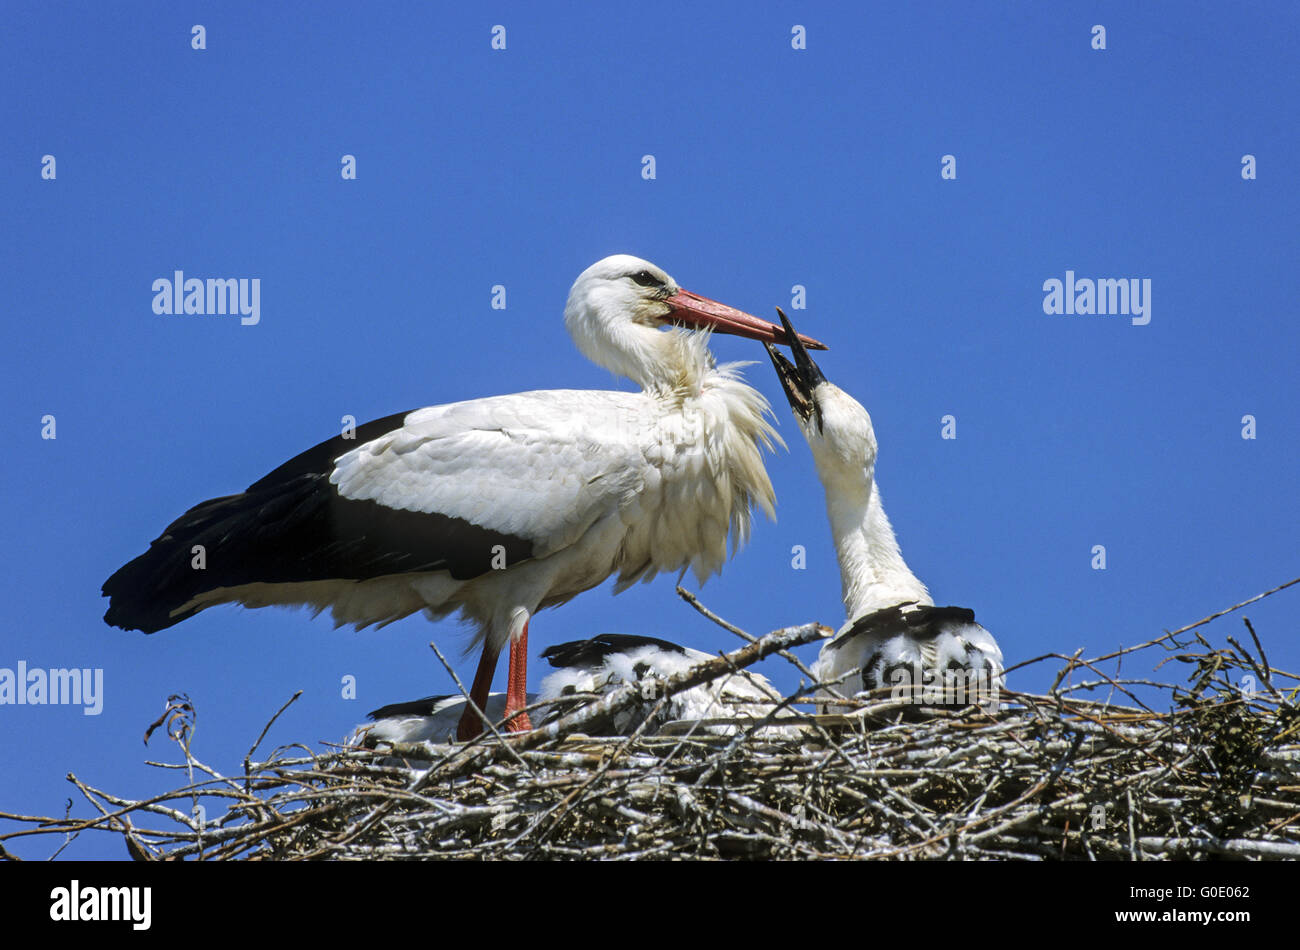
[[542, 466]]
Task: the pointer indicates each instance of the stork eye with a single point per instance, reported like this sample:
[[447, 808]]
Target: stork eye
[[645, 278]]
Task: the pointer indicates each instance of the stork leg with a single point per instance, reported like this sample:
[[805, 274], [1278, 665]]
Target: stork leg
[[470, 724], [517, 685]]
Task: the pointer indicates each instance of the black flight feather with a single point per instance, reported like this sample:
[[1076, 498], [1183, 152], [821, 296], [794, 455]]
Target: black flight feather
[[293, 526]]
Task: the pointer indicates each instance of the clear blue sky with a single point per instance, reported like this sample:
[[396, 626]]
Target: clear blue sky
[[520, 167]]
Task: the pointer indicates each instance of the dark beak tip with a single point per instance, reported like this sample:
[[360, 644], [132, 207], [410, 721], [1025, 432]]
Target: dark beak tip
[[791, 336]]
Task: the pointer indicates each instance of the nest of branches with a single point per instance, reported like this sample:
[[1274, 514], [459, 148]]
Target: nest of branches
[[1102, 766]]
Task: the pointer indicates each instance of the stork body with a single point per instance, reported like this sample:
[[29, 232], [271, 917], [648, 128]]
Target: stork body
[[894, 635], [597, 665], [431, 719], [496, 507], [608, 661]]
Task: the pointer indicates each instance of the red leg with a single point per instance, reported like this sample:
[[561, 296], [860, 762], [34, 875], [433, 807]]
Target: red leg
[[517, 685], [470, 724]]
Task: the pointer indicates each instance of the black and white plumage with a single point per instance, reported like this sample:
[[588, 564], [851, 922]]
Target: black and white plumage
[[895, 637], [496, 507], [598, 666], [926, 655], [610, 660], [431, 719]]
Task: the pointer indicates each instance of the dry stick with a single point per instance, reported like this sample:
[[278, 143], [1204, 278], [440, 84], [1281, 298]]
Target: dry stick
[[571, 801], [1114, 684], [1263, 657], [1038, 787], [1063, 672], [125, 805], [255, 803], [999, 760], [265, 729], [575, 797], [731, 663], [694, 601], [1164, 637], [117, 823], [68, 838], [1261, 668], [744, 634], [601, 713], [1257, 849], [387, 805], [1132, 837], [740, 736], [481, 714]]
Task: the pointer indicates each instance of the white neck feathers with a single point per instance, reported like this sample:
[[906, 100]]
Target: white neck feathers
[[873, 573]]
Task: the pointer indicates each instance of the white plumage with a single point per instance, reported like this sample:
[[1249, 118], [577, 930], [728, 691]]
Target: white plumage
[[598, 666], [432, 719], [608, 661], [497, 507], [894, 636]]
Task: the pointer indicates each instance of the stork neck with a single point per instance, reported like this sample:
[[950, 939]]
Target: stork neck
[[653, 359], [873, 573], [669, 361]]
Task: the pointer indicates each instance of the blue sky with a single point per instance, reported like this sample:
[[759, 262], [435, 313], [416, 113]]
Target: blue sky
[[519, 167]]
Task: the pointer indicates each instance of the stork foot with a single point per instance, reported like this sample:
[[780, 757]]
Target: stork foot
[[517, 685], [519, 723]]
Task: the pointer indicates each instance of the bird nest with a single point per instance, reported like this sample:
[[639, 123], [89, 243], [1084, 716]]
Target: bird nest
[[1101, 766]]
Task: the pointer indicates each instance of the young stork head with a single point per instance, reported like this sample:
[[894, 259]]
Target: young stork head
[[839, 432], [618, 305], [837, 426]]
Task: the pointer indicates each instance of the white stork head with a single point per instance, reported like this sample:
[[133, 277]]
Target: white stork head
[[618, 305], [838, 427]]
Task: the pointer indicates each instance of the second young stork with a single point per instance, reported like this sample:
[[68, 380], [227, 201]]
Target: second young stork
[[496, 507], [894, 636], [598, 666], [607, 661]]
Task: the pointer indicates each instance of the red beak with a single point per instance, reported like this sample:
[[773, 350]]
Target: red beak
[[692, 310]]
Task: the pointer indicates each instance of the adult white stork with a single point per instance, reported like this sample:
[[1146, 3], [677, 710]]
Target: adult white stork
[[496, 507], [894, 636]]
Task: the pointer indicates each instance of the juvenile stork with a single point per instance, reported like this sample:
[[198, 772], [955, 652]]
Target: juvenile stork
[[496, 507], [431, 719], [605, 662], [894, 636], [598, 665]]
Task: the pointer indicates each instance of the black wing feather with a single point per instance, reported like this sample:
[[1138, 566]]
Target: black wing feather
[[590, 654], [922, 622], [415, 707], [293, 526]]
